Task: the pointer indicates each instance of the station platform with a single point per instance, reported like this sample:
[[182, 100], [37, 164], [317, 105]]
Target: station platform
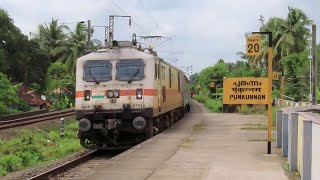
[[202, 145]]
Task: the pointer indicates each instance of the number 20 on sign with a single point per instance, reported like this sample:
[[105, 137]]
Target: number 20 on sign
[[253, 45]]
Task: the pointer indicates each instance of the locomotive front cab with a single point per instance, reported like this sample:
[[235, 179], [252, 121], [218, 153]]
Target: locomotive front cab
[[113, 102]]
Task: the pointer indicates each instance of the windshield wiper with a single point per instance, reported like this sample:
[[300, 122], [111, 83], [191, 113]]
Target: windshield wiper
[[134, 75], [95, 80]]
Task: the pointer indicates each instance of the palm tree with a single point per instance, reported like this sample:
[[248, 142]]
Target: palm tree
[[273, 26], [252, 61], [289, 36], [50, 37], [74, 48], [294, 32]]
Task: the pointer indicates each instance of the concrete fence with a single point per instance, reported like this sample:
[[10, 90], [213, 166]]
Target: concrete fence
[[288, 103], [298, 134]]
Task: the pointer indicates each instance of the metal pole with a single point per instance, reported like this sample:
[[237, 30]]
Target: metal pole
[[269, 87], [314, 62], [89, 35], [111, 26], [310, 78], [282, 91], [270, 92], [105, 35]]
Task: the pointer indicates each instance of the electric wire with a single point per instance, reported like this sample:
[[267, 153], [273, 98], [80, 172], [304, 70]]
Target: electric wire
[[151, 17], [128, 15]]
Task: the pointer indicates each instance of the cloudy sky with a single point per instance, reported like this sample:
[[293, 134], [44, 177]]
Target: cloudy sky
[[203, 31]]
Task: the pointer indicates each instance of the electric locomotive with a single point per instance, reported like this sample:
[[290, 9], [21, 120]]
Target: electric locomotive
[[126, 94]]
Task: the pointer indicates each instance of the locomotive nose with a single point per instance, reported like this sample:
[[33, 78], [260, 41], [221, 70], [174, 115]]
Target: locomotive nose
[[84, 125], [139, 123]]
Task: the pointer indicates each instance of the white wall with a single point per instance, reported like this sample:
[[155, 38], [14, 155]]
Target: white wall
[[315, 167]]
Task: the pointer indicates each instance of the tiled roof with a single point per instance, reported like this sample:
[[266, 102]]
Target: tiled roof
[[30, 96]]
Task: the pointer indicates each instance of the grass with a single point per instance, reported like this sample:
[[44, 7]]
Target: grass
[[261, 140], [186, 143], [244, 109], [36, 147], [199, 126], [256, 127]]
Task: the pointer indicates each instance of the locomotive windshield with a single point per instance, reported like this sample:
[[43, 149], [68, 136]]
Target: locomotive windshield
[[97, 71], [130, 70]]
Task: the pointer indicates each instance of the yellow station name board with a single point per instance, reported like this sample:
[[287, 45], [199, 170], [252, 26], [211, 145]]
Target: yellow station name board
[[245, 91]]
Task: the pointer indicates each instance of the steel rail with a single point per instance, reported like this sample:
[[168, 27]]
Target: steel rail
[[65, 167], [35, 119]]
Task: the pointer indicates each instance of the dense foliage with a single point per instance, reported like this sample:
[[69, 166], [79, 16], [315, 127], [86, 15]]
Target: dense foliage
[[291, 58], [27, 60], [9, 102]]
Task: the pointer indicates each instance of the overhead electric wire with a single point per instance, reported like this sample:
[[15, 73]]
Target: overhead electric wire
[[109, 11], [165, 41], [151, 17], [128, 15]]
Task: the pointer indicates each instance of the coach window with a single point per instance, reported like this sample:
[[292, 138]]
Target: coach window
[[170, 78], [97, 71], [130, 70]]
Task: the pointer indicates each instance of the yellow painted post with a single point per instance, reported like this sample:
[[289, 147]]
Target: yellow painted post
[[270, 95], [269, 78], [282, 91]]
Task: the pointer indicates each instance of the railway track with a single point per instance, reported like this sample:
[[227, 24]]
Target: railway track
[[35, 119], [77, 166]]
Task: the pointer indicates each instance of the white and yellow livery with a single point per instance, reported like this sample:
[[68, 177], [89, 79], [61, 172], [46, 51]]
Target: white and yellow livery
[[125, 95]]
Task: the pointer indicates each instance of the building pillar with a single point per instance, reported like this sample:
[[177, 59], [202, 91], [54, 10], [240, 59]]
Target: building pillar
[[306, 150], [279, 128], [293, 142], [285, 118]]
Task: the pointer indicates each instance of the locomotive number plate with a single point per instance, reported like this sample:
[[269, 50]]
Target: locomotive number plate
[[137, 105], [87, 107], [113, 100]]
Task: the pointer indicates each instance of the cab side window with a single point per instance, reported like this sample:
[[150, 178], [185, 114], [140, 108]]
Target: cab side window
[[163, 72]]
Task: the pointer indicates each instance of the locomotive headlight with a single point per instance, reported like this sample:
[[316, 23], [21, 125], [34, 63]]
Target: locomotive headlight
[[139, 93], [87, 95], [116, 93], [110, 93]]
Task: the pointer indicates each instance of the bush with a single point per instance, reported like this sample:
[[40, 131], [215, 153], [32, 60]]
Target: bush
[[9, 101], [212, 104], [200, 98]]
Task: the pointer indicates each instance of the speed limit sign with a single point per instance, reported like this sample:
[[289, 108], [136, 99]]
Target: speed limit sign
[[253, 45]]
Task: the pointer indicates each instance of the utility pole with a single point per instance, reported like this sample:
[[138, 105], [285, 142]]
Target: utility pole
[[89, 35], [314, 64]]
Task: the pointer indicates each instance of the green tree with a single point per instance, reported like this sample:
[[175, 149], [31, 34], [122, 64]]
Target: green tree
[[294, 32], [289, 35], [74, 48], [51, 38], [296, 71], [20, 58]]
